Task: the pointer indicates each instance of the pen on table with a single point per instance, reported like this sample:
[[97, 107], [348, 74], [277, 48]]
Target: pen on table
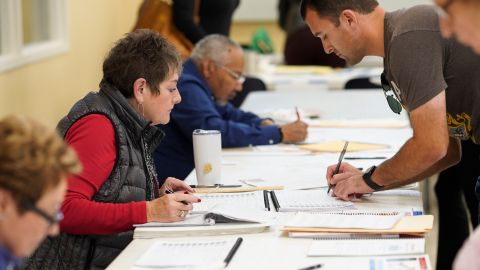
[[275, 201], [353, 158], [265, 200], [233, 251], [298, 113], [168, 191], [311, 267], [338, 164]]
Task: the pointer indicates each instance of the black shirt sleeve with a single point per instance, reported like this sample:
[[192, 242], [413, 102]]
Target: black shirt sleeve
[[183, 18]]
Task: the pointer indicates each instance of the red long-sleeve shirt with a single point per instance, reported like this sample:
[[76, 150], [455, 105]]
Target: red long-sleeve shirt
[[93, 138]]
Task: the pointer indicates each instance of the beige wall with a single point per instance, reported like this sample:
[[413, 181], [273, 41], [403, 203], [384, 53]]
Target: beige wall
[[48, 88]]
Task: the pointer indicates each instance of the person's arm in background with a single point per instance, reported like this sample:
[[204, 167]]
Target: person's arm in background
[[197, 110], [183, 12]]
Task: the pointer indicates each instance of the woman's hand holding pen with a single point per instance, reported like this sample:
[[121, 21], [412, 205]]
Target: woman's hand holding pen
[[175, 184], [171, 207], [348, 183], [174, 203]]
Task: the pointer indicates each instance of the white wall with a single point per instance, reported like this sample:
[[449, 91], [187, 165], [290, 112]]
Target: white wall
[[266, 10]]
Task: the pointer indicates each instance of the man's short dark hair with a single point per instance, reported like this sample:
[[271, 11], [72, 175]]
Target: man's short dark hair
[[140, 54], [333, 8]]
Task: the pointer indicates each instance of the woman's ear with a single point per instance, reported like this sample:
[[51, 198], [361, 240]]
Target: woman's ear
[[138, 89]]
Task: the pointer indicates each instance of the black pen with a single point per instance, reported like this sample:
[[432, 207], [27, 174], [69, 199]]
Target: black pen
[[353, 158], [338, 164], [233, 251], [168, 191], [311, 267], [215, 186], [265, 200], [275, 201]]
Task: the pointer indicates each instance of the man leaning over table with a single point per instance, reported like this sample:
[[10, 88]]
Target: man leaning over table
[[211, 77], [434, 79]]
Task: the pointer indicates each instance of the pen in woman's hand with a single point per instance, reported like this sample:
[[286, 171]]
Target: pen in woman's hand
[[168, 191]]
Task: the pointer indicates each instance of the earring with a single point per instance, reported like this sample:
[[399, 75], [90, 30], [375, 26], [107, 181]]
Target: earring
[[142, 110]]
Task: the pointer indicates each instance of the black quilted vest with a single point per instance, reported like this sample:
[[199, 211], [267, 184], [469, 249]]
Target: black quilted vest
[[132, 179]]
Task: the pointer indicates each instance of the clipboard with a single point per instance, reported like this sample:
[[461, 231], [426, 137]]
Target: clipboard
[[337, 146]]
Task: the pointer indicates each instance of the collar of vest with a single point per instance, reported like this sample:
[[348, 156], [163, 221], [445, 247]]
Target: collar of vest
[[134, 122]]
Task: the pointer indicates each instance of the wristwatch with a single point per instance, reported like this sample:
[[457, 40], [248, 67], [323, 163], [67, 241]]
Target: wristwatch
[[367, 178]]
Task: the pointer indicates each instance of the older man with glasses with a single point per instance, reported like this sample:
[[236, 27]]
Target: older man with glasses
[[434, 79], [211, 77]]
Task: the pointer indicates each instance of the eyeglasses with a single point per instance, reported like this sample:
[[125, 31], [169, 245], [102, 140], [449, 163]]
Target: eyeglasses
[[239, 78], [52, 220], [392, 100]]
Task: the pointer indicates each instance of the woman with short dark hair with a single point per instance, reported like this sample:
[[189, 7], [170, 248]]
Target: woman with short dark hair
[[114, 135]]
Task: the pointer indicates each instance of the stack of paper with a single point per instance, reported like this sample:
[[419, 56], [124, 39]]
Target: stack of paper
[[243, 212], [368, 224]]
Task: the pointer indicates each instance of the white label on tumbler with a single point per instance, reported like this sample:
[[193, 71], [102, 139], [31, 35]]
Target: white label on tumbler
[[207, 153]]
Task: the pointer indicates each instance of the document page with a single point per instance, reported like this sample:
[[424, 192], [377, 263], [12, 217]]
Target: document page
[[367, 247], [164, 254]]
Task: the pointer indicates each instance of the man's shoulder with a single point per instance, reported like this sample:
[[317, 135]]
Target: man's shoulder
[[414, 19]]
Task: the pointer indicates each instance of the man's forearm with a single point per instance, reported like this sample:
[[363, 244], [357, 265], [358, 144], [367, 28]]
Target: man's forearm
[[415, 162], [453, 157]]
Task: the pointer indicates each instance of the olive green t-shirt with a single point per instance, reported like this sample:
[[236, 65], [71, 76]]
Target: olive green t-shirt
[[419, 64]]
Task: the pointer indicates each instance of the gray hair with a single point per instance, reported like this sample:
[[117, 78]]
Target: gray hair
[[214, 47]]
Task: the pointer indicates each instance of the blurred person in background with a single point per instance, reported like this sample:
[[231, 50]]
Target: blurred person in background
[[34, 163]]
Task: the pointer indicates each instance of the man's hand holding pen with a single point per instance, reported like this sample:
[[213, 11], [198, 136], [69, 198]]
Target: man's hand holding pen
[[348, 183]]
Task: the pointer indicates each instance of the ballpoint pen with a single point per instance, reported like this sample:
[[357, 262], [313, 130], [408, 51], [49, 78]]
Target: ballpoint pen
[[338, 164], [353, 158], [168, 191], [232, 251], [298, 113], [214, 186], [311, 267], [275, 201], [265, 200]]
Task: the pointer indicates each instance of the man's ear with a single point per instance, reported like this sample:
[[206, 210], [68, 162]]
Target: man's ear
[[349, 17], [5, 201], [138, 89], [207, 68]]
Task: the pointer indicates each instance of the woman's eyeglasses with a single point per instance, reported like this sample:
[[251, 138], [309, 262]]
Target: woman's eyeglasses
[[392, 101], [52, 220]]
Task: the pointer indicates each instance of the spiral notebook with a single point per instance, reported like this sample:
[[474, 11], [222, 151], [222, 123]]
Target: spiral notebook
[[309, 200], [366, 247], [346, 220], [166, 254]]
